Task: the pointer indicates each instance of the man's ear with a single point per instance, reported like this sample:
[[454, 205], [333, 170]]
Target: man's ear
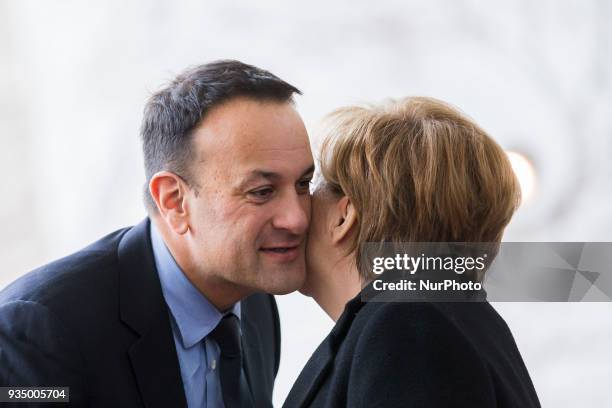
[[168, 191], [345, 219]]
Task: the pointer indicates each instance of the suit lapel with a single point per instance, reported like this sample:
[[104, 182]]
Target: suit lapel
[[156, 368], [142, 308], [314, 373], [253, 358]]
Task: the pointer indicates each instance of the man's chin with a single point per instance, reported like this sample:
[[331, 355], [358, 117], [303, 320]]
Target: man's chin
[[304, 291], [285, 282], [306, 288]]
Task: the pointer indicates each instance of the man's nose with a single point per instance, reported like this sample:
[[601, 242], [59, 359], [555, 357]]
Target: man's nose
[[293, 214]]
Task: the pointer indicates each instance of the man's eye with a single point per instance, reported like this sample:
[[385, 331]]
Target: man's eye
[[262, 193], [304, 185]]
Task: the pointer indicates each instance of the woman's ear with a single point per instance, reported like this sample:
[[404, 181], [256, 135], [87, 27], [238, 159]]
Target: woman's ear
[[168, 192], [346, 218]]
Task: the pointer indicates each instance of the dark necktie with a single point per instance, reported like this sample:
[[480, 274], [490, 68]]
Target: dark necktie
[[234, 387]]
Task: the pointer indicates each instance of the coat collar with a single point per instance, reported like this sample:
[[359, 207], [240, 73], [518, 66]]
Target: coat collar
[[143, 309], [321, 361]]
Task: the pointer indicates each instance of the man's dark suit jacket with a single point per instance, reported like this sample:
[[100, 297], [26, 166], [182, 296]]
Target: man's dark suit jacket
[[416, 355], [97, 322]]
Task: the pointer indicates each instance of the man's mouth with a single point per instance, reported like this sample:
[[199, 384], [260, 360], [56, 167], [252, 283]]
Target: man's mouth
[[280, 249], [282, 253]]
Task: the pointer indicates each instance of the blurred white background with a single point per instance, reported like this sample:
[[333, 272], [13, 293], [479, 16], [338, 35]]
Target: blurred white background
[[74, 76]]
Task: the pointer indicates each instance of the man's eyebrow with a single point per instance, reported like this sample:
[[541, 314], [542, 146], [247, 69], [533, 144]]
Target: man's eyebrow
[[309, 170], [269, 175], [259, 174]]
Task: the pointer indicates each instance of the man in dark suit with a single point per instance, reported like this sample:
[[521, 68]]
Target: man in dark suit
[[176, 311]]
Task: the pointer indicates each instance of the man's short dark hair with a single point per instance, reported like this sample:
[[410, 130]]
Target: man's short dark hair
[[171, 114]]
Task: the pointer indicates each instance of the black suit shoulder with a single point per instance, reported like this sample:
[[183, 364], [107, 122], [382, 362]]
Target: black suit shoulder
[[69, 278], [80, 290], [42, 315]]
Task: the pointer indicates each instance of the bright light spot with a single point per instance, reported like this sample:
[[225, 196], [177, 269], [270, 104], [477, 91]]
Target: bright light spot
[[525, 173]]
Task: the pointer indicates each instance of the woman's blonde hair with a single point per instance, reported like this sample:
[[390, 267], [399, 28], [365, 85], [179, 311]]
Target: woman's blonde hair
[[418, 170]]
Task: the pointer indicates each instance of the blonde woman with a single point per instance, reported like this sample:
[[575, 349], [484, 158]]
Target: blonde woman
[[414, 170]]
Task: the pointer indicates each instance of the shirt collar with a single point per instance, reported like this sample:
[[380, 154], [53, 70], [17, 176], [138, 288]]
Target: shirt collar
[[194, 315]]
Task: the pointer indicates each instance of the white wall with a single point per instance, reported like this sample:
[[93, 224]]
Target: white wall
[[74, 76]]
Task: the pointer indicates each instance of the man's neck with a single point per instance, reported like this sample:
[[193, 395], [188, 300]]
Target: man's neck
[[221, 293]]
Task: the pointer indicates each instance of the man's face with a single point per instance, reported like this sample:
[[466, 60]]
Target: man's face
[[249, 220]]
